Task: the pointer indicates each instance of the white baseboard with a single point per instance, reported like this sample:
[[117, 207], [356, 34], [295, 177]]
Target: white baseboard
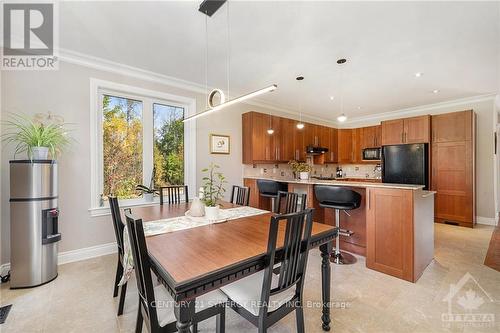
[[486, 220], [75, 255]]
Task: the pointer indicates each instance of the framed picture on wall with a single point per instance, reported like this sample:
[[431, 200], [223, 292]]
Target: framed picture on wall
[[219, 144]]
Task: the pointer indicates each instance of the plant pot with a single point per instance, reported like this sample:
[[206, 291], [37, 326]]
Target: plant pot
[[304, 175], [212, 213], [40, 153], [148, 197]]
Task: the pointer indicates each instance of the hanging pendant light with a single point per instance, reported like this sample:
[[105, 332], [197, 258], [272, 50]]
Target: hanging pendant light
[[300, 124], [270, 130], [209, 9], [342, 116]]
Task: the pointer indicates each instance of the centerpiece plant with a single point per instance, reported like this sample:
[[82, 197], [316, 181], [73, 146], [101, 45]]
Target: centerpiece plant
[[213, 190], [300, 168], [35, 138]]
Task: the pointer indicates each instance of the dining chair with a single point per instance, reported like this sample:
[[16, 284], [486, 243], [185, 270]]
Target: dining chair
[[118, 226], [156, 305], [240, 195], [174, 193], [265, 298], [290, 202]]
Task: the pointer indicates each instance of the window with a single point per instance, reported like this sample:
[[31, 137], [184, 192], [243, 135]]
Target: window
[[138, 137]]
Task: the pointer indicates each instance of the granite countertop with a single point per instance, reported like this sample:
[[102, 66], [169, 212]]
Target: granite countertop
[[363, 184]]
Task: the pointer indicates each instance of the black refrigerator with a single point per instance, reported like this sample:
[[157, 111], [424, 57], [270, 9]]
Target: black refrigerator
[[406, 164]]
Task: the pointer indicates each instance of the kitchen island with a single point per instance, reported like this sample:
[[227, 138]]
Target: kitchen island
[[393, 228]]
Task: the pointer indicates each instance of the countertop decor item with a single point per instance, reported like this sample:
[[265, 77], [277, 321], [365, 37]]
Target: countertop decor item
[[220, 144], [213, 190], [197, 208], [302, 169], [35, 137]]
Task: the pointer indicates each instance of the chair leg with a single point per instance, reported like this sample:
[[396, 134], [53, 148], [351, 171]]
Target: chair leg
[[220, 321], [118, 276], [123, 292], [299, 314], [138, 324], [194, 328]]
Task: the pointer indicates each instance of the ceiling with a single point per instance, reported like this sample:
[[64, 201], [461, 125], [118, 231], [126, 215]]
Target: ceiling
[[455, 45]]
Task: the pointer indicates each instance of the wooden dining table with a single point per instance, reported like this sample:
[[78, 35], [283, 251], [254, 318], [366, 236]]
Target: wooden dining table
[[195, 261]]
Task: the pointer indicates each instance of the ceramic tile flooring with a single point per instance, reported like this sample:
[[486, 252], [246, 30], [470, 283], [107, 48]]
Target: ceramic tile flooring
[[79, 300]]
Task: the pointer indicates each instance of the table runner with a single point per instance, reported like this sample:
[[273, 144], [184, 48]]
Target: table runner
[[173, 224]]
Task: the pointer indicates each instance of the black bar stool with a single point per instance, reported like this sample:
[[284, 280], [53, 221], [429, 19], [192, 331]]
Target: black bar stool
[[269, 189], [338, 198]]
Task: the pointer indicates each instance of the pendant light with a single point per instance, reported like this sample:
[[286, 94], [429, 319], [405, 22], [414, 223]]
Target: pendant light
[[300, 124], [270, 130], [342, 116], [208, 8]]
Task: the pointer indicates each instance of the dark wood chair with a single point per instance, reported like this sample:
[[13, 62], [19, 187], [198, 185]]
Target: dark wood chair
[[240, 195], [118, 226], [173, 194], [156, 305], [265, 298], [288, 202]]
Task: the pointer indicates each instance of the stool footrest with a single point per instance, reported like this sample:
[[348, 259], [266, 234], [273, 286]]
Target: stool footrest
[[345, 232]]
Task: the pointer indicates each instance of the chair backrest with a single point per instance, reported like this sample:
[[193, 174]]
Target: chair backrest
[[268, 187], [296, 245], [331, 195], [174, 194], [117, 222], [240, 195], [288, 202], [142, 269]]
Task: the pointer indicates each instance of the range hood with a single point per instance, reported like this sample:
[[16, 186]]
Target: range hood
[[310, 150]]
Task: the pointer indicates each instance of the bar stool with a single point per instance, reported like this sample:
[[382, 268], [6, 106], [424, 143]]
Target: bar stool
[[269, 189], [338, 198]]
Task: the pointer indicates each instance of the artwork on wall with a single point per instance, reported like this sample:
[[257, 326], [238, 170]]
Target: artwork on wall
[[219, 144]]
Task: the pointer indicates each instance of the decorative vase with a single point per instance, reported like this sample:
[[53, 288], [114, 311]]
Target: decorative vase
[[40, 153], [148, 197], [197, 208], [304, 175], [212, 213]]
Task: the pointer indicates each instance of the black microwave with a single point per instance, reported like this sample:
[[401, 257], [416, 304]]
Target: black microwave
[[372, 154]]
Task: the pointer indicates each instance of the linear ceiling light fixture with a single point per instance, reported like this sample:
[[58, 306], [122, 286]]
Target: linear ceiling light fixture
[[209, 7]]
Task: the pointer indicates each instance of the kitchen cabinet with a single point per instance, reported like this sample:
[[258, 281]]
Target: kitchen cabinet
[[257, 143], [345, 145], [406, 131], [286, 149], [357, 150], [371, 137], [298, 144], [331, 155], [255, 199], [453, 165]]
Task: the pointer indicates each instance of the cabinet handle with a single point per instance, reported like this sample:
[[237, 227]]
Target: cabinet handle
[[402, 137]]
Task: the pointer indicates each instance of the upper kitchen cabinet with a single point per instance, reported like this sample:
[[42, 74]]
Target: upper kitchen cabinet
[[299, 151], [371, 137], [452, 127], [408, 130], [258, 145], [286, 147], [345, 145], [332, 154]]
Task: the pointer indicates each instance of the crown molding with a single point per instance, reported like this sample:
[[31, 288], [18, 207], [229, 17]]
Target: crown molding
[[418, 109]]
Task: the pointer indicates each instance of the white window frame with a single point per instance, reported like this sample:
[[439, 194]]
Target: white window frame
[[98, 88]]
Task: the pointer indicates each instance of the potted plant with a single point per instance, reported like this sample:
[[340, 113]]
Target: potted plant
[[302, 169], [147, 192], [35, 138], [213, 191]]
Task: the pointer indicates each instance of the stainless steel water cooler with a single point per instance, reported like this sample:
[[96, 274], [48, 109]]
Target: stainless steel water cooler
[[33, 222]]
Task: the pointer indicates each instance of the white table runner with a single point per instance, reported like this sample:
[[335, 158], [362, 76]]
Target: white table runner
[[173, 224]]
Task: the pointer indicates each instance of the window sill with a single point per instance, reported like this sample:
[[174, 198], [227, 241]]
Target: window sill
[[104, 211]]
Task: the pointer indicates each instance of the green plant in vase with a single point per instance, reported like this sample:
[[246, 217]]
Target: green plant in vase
[[35, 138], [213, 190], [300, 169]]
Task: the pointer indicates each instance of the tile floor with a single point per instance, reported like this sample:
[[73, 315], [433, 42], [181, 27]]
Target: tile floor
[[79, 300]]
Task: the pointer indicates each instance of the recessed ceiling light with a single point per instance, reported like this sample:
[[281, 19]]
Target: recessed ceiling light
[[299, 78], [359, 107], [435, 91], [331, 98], [342, 118], [418, 74], [341, 61]]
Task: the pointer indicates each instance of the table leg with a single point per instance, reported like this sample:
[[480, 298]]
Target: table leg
[[184, 312], [326, 250]]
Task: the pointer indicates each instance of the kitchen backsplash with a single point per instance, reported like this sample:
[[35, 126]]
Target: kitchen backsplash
[[325, 170]]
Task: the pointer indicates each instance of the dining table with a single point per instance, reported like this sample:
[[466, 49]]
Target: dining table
[[192, 262]]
